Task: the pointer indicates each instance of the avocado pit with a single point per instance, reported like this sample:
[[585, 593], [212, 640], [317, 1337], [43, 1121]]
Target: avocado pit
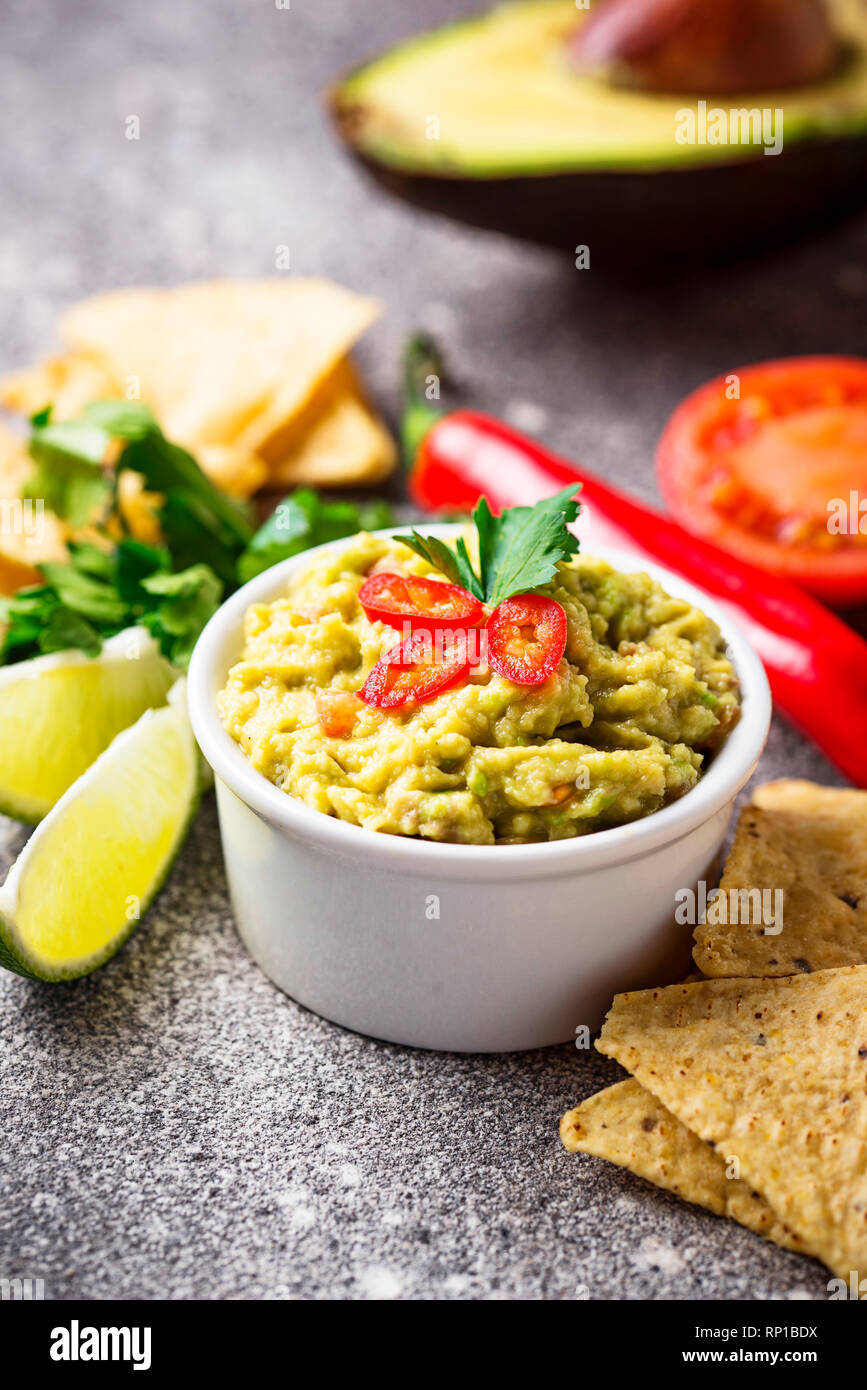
[[708, 46]]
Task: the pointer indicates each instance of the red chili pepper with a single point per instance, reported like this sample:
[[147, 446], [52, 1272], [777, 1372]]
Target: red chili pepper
[[526, 638], [397, 599], [817, 666], [413, 671]]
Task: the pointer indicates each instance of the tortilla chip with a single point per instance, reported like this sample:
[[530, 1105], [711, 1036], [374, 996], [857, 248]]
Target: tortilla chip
[[250, 376], [222, 361], [627, 1125], [773, 1072], [234, 470], [336, 441], [65, 383], [811, 842], [28, 535]]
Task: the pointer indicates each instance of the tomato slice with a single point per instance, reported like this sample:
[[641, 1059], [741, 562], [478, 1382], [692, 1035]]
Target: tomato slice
[[397, 599], [777, 473], [526, 638], [417, 669]]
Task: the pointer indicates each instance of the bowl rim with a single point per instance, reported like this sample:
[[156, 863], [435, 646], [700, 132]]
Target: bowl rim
[[730, 769]]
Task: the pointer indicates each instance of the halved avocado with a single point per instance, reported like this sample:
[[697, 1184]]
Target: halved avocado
[[489, 121]]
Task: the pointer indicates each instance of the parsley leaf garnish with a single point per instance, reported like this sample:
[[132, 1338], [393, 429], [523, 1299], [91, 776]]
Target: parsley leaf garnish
[[519, 550]]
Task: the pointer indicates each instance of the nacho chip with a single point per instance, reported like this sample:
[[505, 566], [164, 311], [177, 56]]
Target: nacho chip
[[232, 469], [337, 440], [65, 383], [250, 376], [628, 1125], [774, 1073], [810, 842], [222, 361]]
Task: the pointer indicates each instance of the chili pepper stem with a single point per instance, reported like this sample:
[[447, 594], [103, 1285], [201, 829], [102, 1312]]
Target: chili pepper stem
[[422, 374]]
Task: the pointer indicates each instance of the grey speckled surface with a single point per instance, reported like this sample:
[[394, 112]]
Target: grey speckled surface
[[174, 1127]]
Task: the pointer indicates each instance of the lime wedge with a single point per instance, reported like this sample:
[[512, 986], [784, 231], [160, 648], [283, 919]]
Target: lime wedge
[[89, 872], [58, 713]]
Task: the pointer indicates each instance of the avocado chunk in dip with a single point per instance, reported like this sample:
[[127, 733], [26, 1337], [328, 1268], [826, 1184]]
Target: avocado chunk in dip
[[643, 694]]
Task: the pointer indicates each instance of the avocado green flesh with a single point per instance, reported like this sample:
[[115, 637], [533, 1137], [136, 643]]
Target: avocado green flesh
[[497, 96]]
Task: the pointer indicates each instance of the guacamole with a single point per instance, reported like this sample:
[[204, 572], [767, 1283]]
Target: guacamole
[[641, 697]]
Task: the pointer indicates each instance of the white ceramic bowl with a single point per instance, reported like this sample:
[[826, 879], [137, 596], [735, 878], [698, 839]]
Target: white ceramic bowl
[[468, 948]]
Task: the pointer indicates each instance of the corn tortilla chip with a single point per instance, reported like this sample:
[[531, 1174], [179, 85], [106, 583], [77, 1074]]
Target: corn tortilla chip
[[336, 441], [774, 1073], [251, 376], [65, 383], [223, 361], [810, 842], [627, 1125], [341, 381], [234, 470]]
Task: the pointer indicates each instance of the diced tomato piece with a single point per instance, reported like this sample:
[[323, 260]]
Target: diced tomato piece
[[397, 599], [414, 671], [337, 711], [526, 638]]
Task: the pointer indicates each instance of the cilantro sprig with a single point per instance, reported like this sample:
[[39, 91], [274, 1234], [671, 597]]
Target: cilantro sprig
[[97, 593], [172, 589], [73, 479], [519, 550]]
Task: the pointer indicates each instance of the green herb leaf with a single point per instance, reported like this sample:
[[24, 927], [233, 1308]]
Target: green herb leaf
[[185, 602], [193, 537], [305, 519], [69, 474], [168, 468], [201, 525], [524, 545], [24, 615], [519, 550], [122, 419], [64, 629], [89, 597], [89, 559], [134, 561], [454, 564], [171, 589]]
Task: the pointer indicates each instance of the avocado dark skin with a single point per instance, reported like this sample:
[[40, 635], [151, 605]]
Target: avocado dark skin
[[639, 220], [676, 209]]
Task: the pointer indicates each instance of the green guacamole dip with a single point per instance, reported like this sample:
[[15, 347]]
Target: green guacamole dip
[[642, 696]]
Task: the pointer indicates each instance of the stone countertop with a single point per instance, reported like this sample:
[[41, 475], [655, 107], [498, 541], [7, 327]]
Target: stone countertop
[[174, 1126]]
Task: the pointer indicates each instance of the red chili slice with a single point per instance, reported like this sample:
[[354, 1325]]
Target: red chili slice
[[423, 603], [416, 670], [526, 638]]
